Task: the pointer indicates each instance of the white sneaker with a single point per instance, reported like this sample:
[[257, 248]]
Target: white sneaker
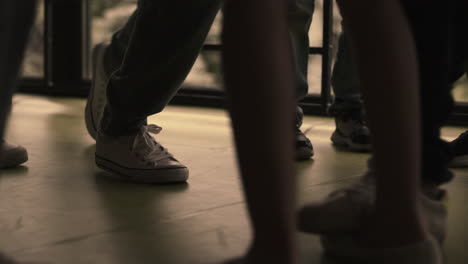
[[12, 155], [139, 158], [97, 97], [344, 247], [342, 211]]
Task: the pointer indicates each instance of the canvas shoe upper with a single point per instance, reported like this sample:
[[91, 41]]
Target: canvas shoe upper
[[97, 94], [352, 132], [343, 211], [139, 157]]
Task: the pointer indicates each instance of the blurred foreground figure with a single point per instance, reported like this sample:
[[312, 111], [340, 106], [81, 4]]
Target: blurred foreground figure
[[389, 226], [380, 218], [16, 19]]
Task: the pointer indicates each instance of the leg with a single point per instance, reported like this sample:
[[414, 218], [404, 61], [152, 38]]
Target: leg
[[396, 70], [459, 146], [156, 50], [393, 223], [345, 80], [17, 19], [263, 65], [396, 222], [158, 56], [434, 44], [157, 60], [299, 19], [351, 131]]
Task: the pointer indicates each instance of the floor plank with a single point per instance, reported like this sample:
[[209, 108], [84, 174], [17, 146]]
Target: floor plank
[[60, 208]]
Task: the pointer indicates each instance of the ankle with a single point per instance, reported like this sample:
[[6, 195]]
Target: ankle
[[125, 127]]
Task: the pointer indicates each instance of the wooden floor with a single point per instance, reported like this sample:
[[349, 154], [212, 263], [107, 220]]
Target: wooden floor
[[59, 208]]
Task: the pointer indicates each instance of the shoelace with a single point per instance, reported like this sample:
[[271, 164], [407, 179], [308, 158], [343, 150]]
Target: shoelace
[[154, 151]]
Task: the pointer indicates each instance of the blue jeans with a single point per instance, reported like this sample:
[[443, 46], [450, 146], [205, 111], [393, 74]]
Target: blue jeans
[[151, 56]]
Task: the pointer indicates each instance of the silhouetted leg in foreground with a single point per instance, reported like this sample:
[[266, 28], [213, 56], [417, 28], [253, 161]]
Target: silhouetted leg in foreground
[[16, 18], [258, 60], [259, 76]]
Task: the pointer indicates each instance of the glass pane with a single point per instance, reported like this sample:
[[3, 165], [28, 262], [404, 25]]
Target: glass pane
[[108, 16], [214, 36], [314, 75], [33, 64], [206, 71]]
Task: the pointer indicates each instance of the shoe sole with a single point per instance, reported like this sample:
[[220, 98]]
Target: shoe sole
[[91, 124], [19, 158], [168, 175], [341, 141]]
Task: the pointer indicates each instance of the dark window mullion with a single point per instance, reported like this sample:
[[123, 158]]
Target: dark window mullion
[[65, 52], [327, 53]]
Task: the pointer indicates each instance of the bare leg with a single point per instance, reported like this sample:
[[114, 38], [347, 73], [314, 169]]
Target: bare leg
[[386, 56], [259, 74]]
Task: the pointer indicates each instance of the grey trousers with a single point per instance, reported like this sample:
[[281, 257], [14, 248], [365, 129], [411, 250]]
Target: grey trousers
[[345, 81]]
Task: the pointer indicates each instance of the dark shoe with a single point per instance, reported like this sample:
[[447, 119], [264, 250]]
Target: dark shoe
[[12, 155], [304, 148], [352, 132]]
